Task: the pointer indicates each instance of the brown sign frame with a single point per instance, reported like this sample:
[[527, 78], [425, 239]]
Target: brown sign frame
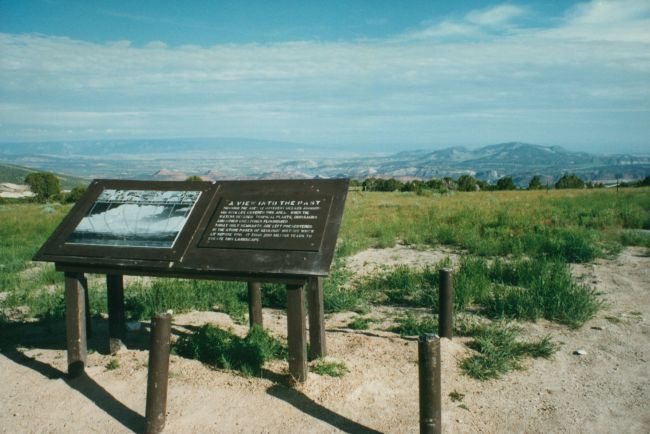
[[187, 257]]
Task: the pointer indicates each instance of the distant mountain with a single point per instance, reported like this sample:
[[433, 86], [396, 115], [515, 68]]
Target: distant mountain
[[219, 147], [519, 160], [241, 159], [16, 175]]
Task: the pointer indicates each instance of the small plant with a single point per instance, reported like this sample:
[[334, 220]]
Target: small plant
[[359, 323], [112, 364], [411, 325], [456, 396], [329, 367]]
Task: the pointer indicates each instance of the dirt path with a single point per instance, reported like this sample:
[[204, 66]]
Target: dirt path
[[607, 390]]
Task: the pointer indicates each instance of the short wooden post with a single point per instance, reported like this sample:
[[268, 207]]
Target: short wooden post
[[75, 323], [89, 322], [156, 407], [116, 317], [446, 304], [430, 386], [255, 304], [317, 346], [296, 332]]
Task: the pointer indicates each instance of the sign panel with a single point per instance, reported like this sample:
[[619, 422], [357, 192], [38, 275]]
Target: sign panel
[[275, 223], [276, 229]]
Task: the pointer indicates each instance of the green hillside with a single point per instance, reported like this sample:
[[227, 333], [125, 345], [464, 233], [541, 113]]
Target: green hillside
[[16, 175]]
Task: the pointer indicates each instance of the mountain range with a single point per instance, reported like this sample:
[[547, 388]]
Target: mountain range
[[256, 159]]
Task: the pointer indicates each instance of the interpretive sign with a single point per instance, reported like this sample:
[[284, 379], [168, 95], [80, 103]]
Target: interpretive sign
[[253, 231], [239, 228]]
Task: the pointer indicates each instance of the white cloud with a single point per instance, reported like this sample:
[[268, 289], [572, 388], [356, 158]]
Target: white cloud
[[496, 16], [446, 80]]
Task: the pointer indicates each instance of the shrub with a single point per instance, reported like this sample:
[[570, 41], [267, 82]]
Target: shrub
[[222, 349]]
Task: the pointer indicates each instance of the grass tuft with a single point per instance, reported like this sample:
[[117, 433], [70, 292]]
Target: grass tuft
[[224, 350], [329, 367], [412, 325], [500, 352], [359, 323]]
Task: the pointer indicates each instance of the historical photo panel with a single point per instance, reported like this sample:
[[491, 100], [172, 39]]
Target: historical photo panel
[[135, 218]]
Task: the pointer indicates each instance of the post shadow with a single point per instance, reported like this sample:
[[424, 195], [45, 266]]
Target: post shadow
[[85, 385], [308, 406]]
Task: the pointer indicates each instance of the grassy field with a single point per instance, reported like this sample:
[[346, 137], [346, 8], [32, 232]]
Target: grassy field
[[516, 250]]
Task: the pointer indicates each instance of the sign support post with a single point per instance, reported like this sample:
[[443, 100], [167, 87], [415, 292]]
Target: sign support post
[[116, 317], [317, 347], [75, 323], [297, 332]]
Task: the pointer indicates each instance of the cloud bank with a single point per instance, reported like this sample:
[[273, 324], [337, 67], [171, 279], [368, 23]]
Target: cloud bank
[[482, 78]]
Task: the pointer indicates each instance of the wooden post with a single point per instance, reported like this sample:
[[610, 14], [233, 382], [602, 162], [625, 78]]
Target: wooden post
[[317, 346], [446, 304], [156, 407], [296, 332], [430, 386], [116, 318], [89, 321], [255, 304], [75, 323]]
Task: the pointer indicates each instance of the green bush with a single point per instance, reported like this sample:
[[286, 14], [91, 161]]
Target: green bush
[[224, 350]]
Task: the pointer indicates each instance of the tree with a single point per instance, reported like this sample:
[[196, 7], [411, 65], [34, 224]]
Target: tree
[[434, 184], [44, 185], [194, 178], [506, 183], [75, 194], [569, 181], [645, 182], [466, 183], [535, 183]]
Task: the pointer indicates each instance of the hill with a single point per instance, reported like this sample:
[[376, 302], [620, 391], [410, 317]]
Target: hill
[[255, 159], [16, 175]]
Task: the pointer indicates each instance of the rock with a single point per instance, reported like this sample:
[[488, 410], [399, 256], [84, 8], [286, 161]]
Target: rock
[[580, 352]]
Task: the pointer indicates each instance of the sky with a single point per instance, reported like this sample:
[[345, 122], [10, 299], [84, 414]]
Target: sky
[[381, 75]]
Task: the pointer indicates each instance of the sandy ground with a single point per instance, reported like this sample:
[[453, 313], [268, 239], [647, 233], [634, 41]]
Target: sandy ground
[[605, 391]]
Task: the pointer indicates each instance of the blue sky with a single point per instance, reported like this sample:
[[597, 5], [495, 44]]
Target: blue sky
[[382, 75]]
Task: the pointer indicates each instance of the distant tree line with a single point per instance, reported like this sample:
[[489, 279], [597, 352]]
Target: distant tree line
[[469, 183], [46, 186]]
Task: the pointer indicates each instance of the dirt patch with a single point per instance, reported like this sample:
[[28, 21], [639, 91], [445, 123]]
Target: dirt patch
[[606, 390], [373, 260]]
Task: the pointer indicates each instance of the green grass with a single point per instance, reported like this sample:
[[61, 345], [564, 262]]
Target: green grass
[[329, 368], [359, 323], [524, 289], [182, 295], [412, 325], [499, 351], [569, 225], [403, 286], [222, 349]]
